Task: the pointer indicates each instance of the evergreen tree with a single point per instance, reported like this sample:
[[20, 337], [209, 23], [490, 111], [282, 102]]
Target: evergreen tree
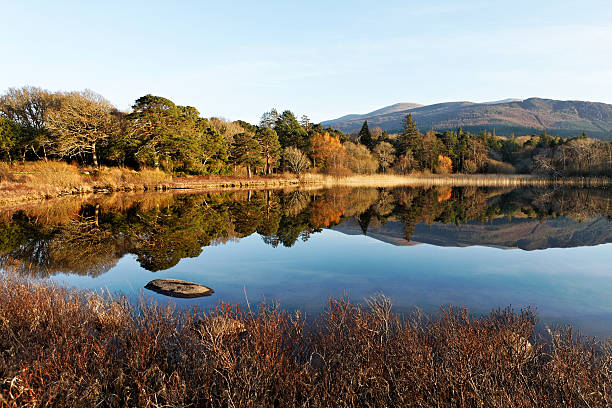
[[270, 147], [410, 140], [290, 132], [246, 151], [365, 137]]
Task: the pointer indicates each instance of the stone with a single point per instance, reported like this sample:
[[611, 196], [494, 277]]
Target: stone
[[178, 288]]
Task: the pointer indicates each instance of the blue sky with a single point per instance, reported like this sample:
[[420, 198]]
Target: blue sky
[[237, 59]]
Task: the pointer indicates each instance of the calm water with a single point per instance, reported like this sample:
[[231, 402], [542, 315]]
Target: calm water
[[479, 248]]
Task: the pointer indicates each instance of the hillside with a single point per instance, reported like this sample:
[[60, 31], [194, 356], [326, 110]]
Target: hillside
[[529, 116]]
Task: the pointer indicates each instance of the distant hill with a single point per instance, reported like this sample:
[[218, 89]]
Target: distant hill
[[521, 117]]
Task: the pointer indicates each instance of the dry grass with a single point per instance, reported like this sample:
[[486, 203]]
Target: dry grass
[[39, 180], [458, 180], [74, 349]]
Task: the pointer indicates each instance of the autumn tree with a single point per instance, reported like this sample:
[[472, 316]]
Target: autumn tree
[[385, 153], [445, 165], [359, 159], [81, 121], [328, 151], [296, 160]]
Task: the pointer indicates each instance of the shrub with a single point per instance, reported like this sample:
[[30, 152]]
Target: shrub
[[66, 348]]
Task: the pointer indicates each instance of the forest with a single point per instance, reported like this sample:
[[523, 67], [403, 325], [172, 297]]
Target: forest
[[86, 129]]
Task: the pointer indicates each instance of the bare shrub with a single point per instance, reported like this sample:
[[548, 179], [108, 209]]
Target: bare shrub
[[60, 347]]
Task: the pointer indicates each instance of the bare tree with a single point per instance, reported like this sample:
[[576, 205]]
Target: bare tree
[[296, 160], [81, 121]]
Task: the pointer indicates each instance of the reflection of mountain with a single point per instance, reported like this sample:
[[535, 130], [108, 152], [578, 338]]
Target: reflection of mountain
[[525, 233]]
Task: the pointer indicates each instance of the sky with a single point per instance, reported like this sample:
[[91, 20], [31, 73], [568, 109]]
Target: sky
[[237, 59]]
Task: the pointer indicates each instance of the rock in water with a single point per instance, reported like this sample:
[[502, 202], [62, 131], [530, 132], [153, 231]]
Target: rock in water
[[179, 288]]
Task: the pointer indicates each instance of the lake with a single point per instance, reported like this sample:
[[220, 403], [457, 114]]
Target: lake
[[480, 248]]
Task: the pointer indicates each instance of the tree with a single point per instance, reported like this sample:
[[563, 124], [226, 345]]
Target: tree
[[365, 137], [359, 159], [290, 132], [296, 160], [9, 136], [410, 140], [270, 147], [305, 122], [445, 165], [268, 119], [151, 123], [329, 151], [385, 153], [80, 122], [246, 151], [27, 107]]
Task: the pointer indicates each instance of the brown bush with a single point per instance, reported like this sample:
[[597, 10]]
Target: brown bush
[[60, 347], [499, 167]]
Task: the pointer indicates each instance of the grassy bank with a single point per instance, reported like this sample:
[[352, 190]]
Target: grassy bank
[[40, 180], [62, 347]]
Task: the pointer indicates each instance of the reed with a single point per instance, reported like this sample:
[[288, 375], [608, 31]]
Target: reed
[[69, 348], [40, 180]]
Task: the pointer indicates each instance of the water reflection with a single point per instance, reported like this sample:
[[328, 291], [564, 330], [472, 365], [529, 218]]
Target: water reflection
[[89, 236]]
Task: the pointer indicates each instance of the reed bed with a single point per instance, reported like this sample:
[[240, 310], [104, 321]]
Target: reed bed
[[458, 180], [69, 348], [41, 180]]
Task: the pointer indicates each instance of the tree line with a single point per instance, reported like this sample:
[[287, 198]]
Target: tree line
[[36, 124]]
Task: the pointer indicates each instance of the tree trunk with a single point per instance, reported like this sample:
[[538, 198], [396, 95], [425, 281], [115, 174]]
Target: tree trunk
[[94, 157]]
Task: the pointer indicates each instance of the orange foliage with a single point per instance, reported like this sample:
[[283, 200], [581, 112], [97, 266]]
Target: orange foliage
[[445, 165], [328, 150], [444, 193]]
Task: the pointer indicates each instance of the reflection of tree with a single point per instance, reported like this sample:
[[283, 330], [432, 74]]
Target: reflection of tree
[[163, 229], [161, 237]]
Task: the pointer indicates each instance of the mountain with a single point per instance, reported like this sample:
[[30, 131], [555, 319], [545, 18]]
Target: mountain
[[397, 107], [521, 117]]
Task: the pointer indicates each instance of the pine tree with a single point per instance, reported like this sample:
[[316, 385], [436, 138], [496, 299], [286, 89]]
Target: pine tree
[[365, 137], [410, 140], [270, 147], [246, 151]]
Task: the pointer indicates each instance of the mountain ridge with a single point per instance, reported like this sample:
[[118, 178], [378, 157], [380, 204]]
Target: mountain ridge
[[505, 117]]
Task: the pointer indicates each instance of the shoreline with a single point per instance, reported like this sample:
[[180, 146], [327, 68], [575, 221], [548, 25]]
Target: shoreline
[[52, 180]]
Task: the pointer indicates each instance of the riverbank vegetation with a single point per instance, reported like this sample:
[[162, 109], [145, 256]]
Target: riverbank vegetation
[[69, 348], [84, 128]]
